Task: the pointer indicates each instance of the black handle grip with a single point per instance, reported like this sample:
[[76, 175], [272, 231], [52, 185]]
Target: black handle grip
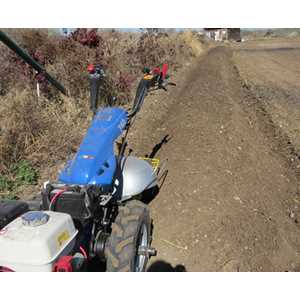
[[140, 95], [95, 81]]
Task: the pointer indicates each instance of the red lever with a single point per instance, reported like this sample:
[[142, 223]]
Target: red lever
[[164, 71], [91, 68]]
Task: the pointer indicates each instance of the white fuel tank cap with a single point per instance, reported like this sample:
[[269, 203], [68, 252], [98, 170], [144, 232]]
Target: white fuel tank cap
[[35, 218]]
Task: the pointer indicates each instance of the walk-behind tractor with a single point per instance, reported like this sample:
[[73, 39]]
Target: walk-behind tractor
[[94, 212]]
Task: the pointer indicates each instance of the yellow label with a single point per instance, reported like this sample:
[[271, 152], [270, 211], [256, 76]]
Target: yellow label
[[148, 77], [155, 162], [63, 237]]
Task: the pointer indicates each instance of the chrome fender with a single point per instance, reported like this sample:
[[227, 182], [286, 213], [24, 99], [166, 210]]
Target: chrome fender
[[138, 176]]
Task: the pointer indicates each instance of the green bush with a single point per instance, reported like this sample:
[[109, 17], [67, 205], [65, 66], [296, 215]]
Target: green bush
[[19, 175]]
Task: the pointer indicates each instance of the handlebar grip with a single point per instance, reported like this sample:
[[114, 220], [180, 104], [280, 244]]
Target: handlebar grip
[[141, 93]]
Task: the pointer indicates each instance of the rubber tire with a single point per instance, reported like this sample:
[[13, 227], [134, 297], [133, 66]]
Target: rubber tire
[[121, 246]]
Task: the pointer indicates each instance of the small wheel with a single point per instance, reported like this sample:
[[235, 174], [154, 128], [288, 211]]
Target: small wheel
[[127, 247]]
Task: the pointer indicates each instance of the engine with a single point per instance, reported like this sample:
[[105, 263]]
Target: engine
[[37, 241]]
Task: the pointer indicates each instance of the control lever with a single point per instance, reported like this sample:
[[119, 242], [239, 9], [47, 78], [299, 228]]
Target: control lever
[[96, 75]]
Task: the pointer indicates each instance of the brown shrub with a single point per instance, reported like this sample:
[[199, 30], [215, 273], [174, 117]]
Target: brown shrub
[[122, 54], [37, 130]]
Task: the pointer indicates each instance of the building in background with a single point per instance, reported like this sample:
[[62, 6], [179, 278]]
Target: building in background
[[223, 34]]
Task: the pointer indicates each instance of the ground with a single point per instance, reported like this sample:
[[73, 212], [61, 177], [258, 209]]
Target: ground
[[230, 201]]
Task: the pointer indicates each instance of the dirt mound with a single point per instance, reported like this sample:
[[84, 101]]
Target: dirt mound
[[229, 202]]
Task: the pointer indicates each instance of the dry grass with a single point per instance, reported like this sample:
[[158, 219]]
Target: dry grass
[[37, 130]]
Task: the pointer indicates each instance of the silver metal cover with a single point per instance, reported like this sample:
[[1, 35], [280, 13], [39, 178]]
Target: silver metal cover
[[138, 176]]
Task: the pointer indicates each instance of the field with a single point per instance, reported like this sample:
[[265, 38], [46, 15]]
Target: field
[[229, 131], [231, 199]]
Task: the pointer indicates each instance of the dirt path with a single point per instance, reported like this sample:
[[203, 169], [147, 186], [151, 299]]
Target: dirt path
[[230, 199]]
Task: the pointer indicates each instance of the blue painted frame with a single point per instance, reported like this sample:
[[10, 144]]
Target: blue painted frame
[[95, 161]]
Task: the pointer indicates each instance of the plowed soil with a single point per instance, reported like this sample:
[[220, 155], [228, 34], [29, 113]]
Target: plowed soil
[[230, 201]]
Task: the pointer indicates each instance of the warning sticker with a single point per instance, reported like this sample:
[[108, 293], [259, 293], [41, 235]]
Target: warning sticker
[[63, 237]]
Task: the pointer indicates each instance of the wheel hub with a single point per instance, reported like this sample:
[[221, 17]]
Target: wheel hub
[[147, 251]]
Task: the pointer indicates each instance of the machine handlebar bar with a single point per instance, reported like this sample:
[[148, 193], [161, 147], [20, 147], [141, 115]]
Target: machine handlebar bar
[[33, 63]]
